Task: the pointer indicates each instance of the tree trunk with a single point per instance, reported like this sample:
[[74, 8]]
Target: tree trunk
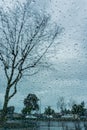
[[4, 109]]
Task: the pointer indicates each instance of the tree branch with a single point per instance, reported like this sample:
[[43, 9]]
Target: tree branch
[[15, 91]]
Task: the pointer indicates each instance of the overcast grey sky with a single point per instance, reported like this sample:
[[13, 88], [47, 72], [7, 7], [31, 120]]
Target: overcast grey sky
[[68, 74]]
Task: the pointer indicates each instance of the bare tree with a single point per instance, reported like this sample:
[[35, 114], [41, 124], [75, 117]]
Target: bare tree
[[25, 37], [61, 104]]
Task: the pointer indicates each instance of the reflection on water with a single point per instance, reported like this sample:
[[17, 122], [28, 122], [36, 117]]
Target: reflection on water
[[62, 125], [52, 125]]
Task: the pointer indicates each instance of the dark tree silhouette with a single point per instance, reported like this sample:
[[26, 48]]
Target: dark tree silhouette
[[31, 104], [49, 111], [78, 109]]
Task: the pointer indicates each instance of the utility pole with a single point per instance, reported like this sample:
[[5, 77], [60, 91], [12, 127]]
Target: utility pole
[[40, 106]]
